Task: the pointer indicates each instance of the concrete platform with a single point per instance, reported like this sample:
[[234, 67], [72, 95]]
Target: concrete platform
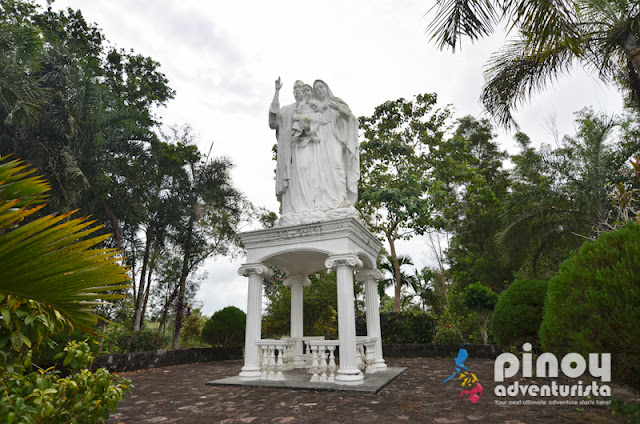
[[299, 380]]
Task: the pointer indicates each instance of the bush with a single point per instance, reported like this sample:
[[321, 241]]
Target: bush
[[448, 336], [225, 328], [518, 314], [402, 327], [593, 303], [120, 340], [39, 396]]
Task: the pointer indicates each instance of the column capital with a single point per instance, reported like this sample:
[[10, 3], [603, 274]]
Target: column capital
[[255, 269], [369, 275], [297, 279], [349, 259]]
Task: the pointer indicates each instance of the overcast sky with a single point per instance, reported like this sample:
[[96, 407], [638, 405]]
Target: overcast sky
[[222, 58]]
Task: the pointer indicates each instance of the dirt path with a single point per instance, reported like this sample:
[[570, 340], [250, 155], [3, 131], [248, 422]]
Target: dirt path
[[179, 395]]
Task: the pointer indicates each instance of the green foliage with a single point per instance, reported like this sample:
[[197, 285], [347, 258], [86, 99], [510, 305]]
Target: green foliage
[[561, 195], [51, 281], [479, 297], [225, 328], [518, 314], [122, 340], [470, 198], [592, 303], [192, 330], [625, 409], [320, 303], [45, 397], [395, 170], [44, 259], [402, 327], [550, 38], [448, 336]]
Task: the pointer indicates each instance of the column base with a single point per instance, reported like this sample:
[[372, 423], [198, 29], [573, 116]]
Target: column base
[[250, 373], [349, 376], [380, 364]]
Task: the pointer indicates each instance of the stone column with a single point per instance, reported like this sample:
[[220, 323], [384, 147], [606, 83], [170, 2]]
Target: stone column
[[253, 332], [348, 373], [297, 284], [370, 279]]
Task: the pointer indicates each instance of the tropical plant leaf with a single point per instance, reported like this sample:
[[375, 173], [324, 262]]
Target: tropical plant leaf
[[52, 259]]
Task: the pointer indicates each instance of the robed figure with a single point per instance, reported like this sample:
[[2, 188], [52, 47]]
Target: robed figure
[[318, 162]]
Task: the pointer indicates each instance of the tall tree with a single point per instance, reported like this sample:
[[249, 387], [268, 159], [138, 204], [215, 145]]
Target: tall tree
[[551, 36], [472, 186], [209, 211], [395, 174], [560, 197]]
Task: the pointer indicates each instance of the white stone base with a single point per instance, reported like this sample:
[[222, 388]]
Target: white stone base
[[349, 376], [250, 373]]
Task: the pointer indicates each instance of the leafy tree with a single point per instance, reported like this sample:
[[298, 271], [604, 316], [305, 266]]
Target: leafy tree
[[209, 210], [561, 196], [386, 265], [192, 329], [395, 170], [550, 37], [225, 328], [425, 287], [471, 188], [482, 300], [320, 305]]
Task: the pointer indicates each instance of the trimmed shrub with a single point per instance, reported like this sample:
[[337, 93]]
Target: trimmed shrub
[[402, 327], [518, 314], [593, 303], [447, 336], [225, 328]]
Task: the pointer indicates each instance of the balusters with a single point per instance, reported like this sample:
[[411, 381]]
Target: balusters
[[332, 364], [314, 362], [370, 357]]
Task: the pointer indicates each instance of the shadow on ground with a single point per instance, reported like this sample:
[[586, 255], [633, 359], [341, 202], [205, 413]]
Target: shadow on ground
[[179, 395]]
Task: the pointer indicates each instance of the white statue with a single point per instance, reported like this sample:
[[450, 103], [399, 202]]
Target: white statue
[[318, 164]]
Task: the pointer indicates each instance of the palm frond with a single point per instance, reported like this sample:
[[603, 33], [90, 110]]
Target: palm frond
[[457, 18], [51, 259], [516, 72]]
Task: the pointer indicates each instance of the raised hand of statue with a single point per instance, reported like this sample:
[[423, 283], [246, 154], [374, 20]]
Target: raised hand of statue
[[278, 84]]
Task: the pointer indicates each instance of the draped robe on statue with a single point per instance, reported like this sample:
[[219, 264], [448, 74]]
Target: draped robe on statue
[[317, 174]]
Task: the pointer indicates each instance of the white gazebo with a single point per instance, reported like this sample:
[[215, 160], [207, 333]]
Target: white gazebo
[[344, 245]]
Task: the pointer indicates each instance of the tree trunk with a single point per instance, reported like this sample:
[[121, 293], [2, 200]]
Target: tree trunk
[[137, 317], [397, 273], [629, 44], [146, 292], [166, 307], [182, 285]]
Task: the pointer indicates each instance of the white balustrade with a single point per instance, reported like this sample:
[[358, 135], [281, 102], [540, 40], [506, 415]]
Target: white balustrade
[[274, 358], [323, 360], [366, 358]]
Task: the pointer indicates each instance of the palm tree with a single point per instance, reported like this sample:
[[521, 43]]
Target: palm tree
[[600, 35], [406, 280], [50, 260], [561, 197], [423, 286]]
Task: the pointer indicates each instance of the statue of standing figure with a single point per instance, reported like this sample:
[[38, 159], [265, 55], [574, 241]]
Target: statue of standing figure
[[318, 161]]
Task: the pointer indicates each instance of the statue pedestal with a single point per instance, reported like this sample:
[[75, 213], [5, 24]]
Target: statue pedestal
[[344, 245]]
